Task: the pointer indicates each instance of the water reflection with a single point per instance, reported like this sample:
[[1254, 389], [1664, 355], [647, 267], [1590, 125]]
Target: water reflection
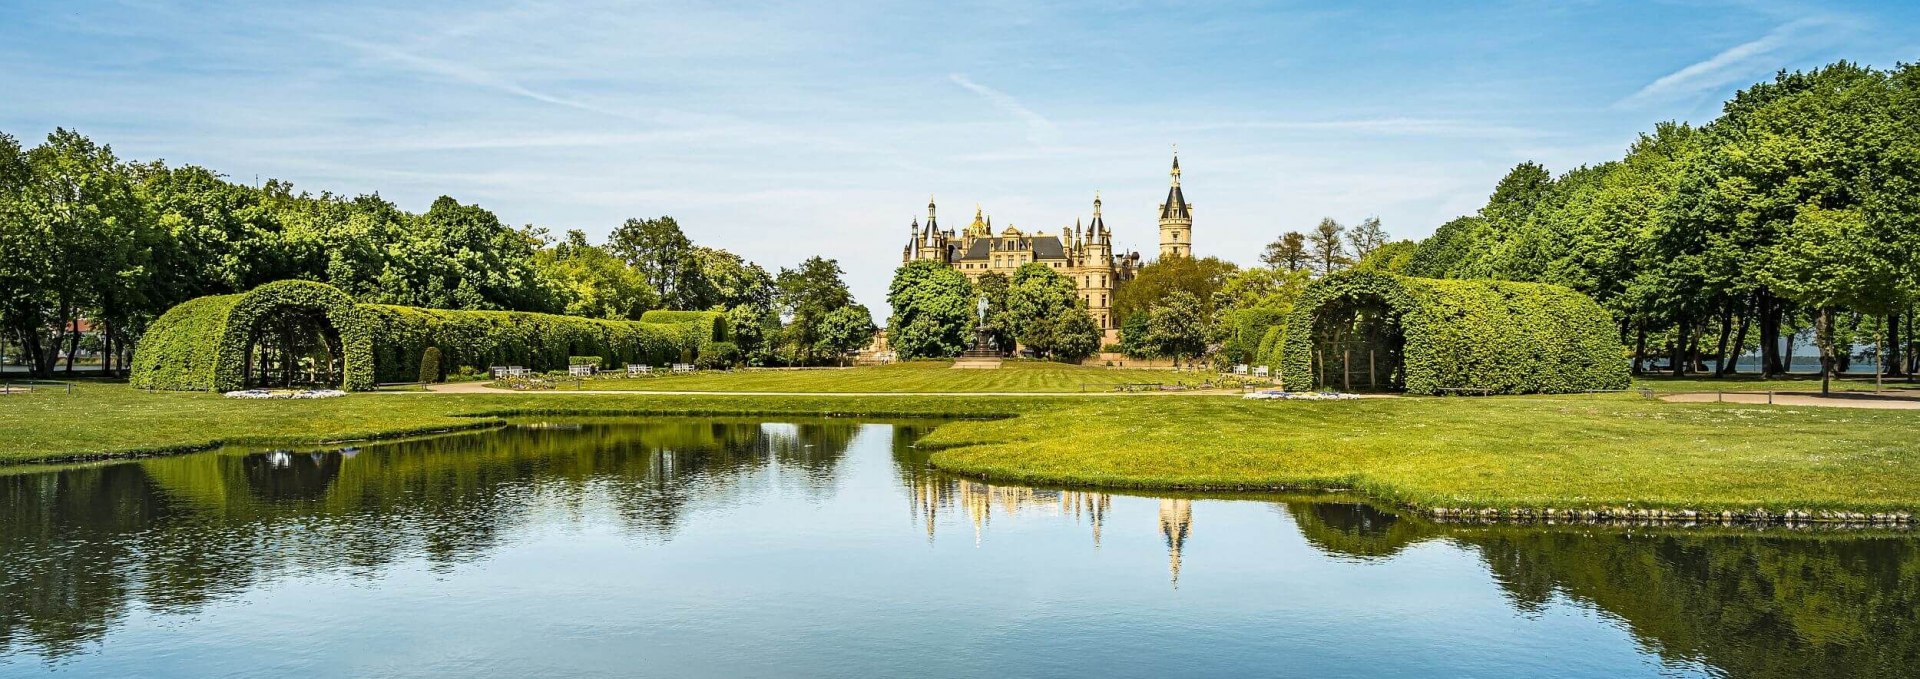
[[83, 550]]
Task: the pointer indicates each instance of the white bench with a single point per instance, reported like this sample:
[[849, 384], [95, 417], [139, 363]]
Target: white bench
[[1261, 371], [683, 367], [580, 370], [633, 370], [1240, 369]]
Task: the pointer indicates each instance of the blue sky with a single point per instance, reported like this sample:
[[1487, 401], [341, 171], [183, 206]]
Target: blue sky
[[780, 131]]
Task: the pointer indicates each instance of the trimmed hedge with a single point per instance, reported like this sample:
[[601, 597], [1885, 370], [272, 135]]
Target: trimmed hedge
[[1504, 337], [202, 344], [541, 342], [712, 323], [430, 365], [180, 349]]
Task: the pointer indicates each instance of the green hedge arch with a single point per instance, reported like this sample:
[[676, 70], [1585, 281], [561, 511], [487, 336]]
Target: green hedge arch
[[1500, 336], [203, 344]]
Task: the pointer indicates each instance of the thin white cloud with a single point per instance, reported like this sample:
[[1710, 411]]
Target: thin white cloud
[[1740, 62], [468, 74], [1040, 131]]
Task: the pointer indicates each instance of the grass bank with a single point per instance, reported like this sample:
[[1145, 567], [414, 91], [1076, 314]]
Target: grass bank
[[1578, 452], [908, 377], [1610, 451], [111, 419]]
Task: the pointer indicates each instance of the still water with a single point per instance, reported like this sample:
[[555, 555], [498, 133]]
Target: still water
[[680, 547]]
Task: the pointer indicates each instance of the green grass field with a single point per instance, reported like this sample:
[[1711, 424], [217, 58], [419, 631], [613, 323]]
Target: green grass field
[[1607, 450], [909, 376], [1561, 452], [108, 418]]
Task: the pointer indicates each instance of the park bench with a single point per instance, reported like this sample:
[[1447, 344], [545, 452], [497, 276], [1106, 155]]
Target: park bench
[[1240, 369], [682, 368], [1261, 371], [633, 370], [580, 370]]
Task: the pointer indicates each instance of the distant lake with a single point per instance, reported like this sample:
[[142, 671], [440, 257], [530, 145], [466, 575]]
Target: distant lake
[[722, 547]]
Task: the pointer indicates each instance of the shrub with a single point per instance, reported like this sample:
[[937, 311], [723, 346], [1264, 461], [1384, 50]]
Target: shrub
[[717, 355], [430, 365], [594, 361], [540, 342], [1504, 337], [712, 325]]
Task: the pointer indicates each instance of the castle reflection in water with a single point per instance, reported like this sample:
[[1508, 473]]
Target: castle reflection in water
[[978, 501]]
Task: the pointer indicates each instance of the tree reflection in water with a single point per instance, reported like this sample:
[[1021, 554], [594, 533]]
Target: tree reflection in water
[[81, 548]]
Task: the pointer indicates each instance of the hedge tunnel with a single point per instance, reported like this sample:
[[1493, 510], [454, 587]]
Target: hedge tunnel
[[279, 334], [304, 333], [1360, 331]]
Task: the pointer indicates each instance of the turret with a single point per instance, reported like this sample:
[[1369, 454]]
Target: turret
[[1176, 219]]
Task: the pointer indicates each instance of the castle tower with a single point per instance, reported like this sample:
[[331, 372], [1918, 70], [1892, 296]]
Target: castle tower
[[1176, 219], [1097, 279], [933, 245]]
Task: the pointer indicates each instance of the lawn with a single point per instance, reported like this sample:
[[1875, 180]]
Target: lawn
[[1610, 450], [1532, 452], [111, 418], [909, 377]]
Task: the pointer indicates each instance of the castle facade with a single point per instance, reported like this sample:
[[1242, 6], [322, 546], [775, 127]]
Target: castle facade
[[1083, 253]]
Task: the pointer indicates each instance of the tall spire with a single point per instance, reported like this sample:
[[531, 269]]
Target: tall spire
[[1176, 218], [1099, 224], [932, 224]]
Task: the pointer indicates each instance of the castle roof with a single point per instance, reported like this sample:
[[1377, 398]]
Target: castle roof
[[1043, 247], [1176, 206]]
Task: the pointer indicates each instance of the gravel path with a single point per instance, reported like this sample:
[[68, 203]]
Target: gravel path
[[1882, 401]]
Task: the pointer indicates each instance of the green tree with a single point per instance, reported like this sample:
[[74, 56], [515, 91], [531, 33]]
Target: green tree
[[993, 287], [1366, 237], [844, 330], [933, 310], [1200, 277], [76, 238], [806, 295], [1175, 328], [1039, 304], [591, 282], [1288, 252], [1326, 246], [726, 281], [664, 256], [1393, 257]]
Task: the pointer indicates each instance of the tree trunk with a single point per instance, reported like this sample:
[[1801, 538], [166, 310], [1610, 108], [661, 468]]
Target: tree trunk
[[1726, 332], [1739, 343], [1823, 338], [1787, 357], [1677, 359], [1640, 351], [1769, 312], [1890, 363]]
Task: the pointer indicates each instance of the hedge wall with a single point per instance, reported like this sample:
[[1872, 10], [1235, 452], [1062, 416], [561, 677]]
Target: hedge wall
[[538, 341], [202, 344], [180, 349], [1505, 337]]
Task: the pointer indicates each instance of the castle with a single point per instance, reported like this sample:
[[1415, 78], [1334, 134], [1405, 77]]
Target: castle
[[1084, 254]]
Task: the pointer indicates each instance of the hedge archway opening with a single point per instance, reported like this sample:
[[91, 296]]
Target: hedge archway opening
[[1359, 345], [292, 346], [294, 333]]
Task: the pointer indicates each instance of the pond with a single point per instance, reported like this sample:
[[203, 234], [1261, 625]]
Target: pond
[[718, 547]]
